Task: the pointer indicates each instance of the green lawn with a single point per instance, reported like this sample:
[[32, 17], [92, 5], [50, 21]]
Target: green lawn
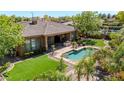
[[30, 68], [99, 42]]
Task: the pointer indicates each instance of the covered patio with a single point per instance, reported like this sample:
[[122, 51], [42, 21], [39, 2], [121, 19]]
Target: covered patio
[[58, 40]]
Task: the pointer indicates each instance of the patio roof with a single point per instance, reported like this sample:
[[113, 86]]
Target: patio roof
[[45, 28]]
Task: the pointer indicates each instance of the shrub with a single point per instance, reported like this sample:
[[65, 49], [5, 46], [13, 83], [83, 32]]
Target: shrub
[[99, 43], [74, 44], [4, 67], [88, 42], [52, 76], [27, 54], [61, 66]]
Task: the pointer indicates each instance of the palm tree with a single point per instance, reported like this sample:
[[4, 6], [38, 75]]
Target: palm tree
[[110, 60], [85, 67], [103, 56], [78, 70], [88, 67]]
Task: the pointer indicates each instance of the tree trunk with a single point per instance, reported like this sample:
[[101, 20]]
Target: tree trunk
[[78, 77], [87, 77]]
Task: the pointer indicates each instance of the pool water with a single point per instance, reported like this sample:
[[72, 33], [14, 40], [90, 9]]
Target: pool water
[[75, 55]]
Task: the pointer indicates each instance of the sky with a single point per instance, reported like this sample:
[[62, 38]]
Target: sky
[[50, 13]]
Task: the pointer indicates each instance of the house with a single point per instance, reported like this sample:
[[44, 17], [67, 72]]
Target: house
[[40, 35]]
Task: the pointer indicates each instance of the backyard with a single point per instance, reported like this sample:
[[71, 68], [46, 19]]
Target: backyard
[[92, 52], [30, 68]]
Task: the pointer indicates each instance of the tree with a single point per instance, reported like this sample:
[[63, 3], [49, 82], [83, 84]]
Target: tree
[[19, 19], [46, 17], [119, 53], [86, 22], [100, 15], [111, 61], [79, 70], [85, 68], [116, 39], [121, 31], [16, 19], [113, 16], [109, 16], [104, 16], [52, 76], [64, 19], [10, 35], [88, 67], [25, 19], [54, 19], [120, 16], [103, 57], [61, 66]]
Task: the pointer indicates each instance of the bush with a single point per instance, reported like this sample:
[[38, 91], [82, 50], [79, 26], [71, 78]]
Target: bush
[[99, 43], [74, 44], [28, 54], [61, 66], [112, 78], [52, 76], [95, 35], [88, 42], [4, 67]]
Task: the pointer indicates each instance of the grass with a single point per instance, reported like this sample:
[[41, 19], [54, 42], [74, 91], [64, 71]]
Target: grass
[[30, 68], [99, 43]]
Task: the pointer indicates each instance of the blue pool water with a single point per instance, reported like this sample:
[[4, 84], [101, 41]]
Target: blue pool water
[[80, 54]]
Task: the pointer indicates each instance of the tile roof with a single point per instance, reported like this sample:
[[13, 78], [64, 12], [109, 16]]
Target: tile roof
[[44, 28]]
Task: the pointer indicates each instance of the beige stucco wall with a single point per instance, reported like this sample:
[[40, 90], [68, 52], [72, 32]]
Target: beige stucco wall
[[48, 39]]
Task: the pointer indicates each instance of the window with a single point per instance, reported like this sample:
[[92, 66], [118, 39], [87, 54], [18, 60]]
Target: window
[[27, 46], [50, 40], [33, 44], [38, 44]]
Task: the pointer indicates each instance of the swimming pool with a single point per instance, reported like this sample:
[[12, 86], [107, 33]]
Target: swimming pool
[[77, 55]]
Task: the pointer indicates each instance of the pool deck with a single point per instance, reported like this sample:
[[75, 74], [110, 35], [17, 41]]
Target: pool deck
[[58, 53], [70, 71]]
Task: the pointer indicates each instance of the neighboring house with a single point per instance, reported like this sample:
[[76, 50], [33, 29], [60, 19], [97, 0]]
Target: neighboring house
[[40, 35]]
